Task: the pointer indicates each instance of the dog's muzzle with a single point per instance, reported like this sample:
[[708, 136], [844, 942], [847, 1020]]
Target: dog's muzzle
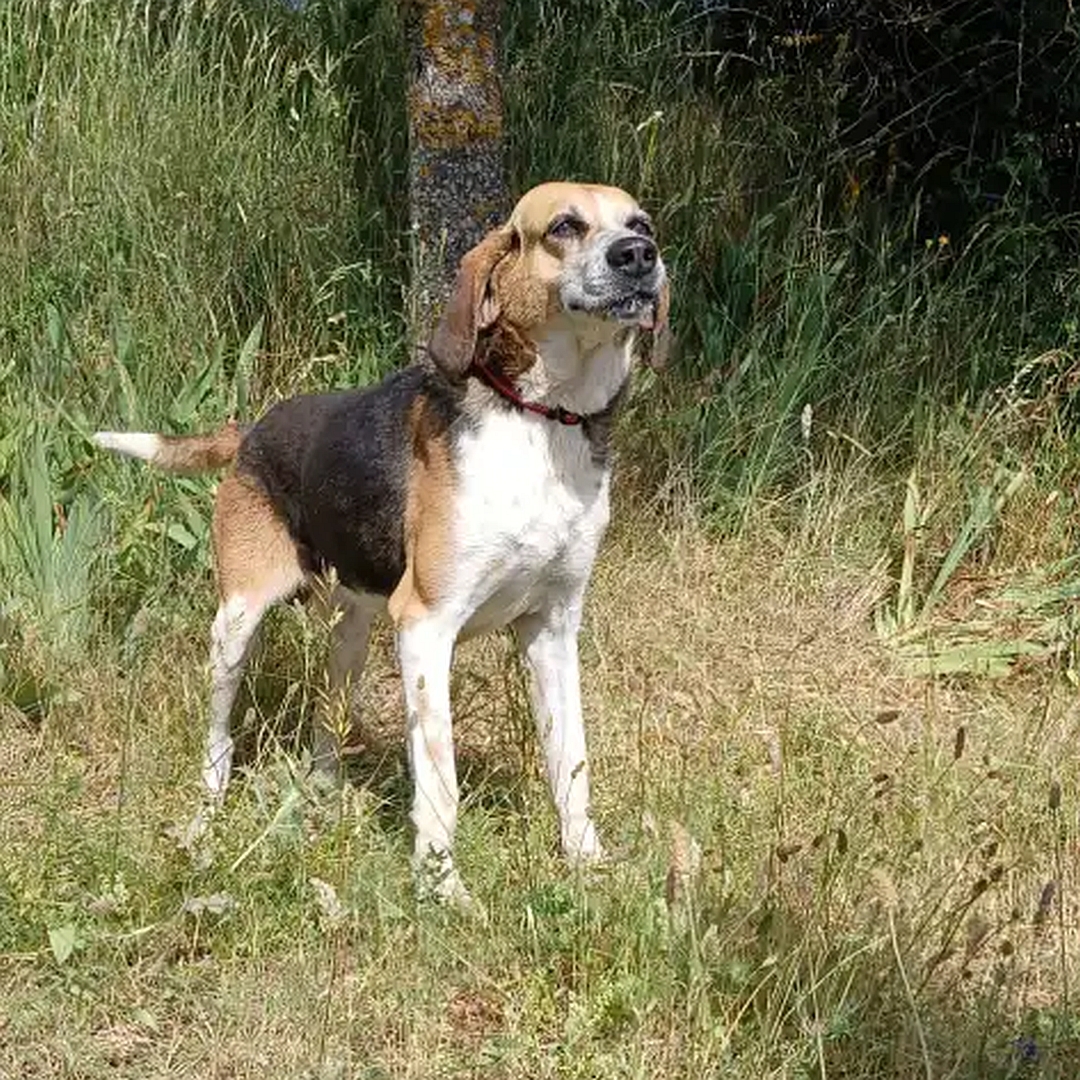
[[621, 281], [633, 261]]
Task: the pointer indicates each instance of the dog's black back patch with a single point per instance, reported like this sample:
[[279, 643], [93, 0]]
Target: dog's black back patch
[[336, 468]]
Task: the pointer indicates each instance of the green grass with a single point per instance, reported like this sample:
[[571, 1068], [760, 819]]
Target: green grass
[[840, 798]]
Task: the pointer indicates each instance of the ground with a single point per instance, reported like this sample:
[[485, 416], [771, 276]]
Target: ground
[[820, 866]]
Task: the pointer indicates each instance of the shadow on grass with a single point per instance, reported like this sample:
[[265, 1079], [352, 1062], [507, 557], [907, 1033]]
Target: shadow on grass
[[276, 708]]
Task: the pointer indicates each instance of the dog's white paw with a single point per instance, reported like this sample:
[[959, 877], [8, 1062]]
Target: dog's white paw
[[437, 880], [581, 845], [217, 768]]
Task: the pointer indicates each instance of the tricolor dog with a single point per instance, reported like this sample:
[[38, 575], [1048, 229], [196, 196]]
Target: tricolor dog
[[464, 493]]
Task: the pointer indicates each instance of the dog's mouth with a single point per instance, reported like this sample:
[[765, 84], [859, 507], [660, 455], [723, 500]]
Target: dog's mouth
[[638, 308], [632, 309]]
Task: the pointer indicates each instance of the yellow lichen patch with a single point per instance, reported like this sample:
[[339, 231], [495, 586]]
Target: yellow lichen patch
[[447, 129], [455, 99]]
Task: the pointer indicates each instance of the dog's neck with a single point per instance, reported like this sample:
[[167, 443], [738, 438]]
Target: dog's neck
[[578, 364]]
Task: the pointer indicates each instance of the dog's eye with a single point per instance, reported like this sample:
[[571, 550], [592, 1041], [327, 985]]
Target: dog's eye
[[567, 227], [642, 226]]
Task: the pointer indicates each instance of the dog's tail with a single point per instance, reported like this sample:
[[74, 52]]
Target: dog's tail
[[176, 453]]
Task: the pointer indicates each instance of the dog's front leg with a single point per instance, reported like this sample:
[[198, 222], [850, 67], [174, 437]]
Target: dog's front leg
[[549, 643], [425, 647]]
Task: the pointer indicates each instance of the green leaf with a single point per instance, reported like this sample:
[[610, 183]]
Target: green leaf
[[125, 362], [179, 534], [988, 504], [992, 659], [244, 363], [54, 327], [62, 941], [195, 391]]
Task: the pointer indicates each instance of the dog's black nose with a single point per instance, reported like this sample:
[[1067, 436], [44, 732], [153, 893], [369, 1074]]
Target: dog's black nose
[[634, 256]]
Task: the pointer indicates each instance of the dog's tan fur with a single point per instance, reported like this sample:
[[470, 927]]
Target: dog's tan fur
[[200, 453], [254, 555], [428, 518]]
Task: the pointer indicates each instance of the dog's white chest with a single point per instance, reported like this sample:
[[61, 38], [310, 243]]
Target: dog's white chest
[[532, 506]]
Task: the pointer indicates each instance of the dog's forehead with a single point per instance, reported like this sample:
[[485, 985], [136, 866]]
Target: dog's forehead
[[596, 203]]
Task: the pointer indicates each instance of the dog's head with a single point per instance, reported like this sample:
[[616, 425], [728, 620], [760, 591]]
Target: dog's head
[[583, 254]]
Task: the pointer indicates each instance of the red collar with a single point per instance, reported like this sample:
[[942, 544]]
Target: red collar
[[504, 388]]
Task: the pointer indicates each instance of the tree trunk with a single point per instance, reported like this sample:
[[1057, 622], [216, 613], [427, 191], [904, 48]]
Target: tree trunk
[[457, 183]]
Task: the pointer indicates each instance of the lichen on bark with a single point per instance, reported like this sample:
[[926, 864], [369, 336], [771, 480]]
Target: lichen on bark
[[457, 182]]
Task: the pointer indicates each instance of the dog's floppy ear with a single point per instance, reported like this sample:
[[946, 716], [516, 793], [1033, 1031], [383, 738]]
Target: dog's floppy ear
[[657, 354], [472, 306]]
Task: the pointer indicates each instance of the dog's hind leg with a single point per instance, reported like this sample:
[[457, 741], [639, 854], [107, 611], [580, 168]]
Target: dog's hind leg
[[231, 635], [257, 564], [350, 615]]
